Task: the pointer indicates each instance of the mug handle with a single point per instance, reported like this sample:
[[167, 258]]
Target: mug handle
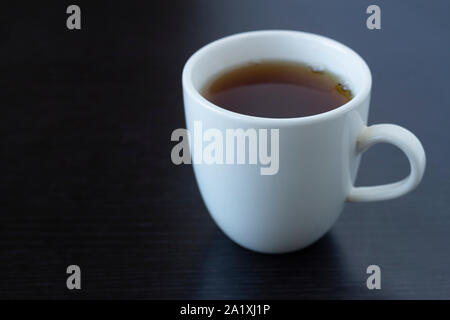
[[408, 143]]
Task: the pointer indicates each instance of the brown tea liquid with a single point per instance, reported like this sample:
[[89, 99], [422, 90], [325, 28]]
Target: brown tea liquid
[[277, 89]]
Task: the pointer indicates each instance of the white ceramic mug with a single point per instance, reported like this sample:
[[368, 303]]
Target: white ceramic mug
[[318, 155]]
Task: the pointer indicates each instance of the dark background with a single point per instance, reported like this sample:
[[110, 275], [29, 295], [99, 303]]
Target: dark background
[[86, 176]]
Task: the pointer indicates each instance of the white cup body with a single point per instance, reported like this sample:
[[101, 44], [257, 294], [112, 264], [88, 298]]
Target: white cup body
[[318, 161]]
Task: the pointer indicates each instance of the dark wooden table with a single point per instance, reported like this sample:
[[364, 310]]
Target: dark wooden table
[[86, 176]]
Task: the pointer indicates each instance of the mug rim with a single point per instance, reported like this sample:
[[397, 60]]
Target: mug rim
[[188, 86]]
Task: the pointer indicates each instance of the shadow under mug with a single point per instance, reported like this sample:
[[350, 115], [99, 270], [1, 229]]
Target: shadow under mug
[[318, 155]]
